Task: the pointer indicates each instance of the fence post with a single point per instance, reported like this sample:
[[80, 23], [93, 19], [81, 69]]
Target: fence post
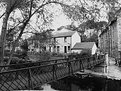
[[71, 68], [68, 66], [29, 80], [107, 59], [94, 61], [81, 65], [53, 71]]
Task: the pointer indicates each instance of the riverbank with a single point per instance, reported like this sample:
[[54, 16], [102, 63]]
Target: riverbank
[[110, 71]]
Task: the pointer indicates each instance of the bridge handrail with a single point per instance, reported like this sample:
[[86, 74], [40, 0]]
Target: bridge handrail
[[37, 66], [32, 67], [34, 63]]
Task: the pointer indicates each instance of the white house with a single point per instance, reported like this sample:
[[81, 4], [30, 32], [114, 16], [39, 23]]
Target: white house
[[85, 46], [64, 41]]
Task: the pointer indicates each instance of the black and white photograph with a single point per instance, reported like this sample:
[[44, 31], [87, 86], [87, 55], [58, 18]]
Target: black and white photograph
[[60, 45]]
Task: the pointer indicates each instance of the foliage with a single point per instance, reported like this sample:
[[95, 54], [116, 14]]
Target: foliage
[[40, 39], [89, 14], [72, 27], [83, 54], [83, 38], [7, 53], [113, 6], [15, 60], [24, 45], [92, 24], [44, 56], [75, 13], [81, 11], [93, 38], [54, 54], [89, 24]]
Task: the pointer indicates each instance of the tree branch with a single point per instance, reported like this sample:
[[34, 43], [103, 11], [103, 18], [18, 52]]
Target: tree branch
[[31, 4], [54, 2], [2, 15]]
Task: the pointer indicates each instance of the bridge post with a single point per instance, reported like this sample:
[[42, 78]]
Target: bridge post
[[87, 63], [81, 65], [69, 68], [93, 62], [53, 72], [106, 59], [95, 59], [29, 80]]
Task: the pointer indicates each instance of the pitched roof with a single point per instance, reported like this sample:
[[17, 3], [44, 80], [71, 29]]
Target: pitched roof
[[64, 34], [83, 45]]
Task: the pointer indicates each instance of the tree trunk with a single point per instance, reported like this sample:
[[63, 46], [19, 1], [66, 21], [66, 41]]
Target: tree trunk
[[16, 41], [3, 36], [14, 44]]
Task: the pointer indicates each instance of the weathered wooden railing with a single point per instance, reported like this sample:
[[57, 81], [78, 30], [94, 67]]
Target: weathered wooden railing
[[44, 72]]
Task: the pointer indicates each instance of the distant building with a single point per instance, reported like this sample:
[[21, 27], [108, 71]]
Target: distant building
[[64, 41], [85, 46], [104, 41], [110, 38]]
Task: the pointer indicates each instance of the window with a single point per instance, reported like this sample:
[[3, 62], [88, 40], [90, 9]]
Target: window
[[68, 48], [65, 39], [54, 48], [65, 49], [58, 48]]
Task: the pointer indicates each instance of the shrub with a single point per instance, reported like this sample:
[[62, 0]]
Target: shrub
[[7, 52], [57, 54], [14, 60], [44, 56], [18, 51], [83, 54]]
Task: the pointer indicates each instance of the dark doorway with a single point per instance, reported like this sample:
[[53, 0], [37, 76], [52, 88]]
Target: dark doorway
[[65, 49]]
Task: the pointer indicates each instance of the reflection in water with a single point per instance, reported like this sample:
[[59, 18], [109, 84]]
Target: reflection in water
[[86, 84]]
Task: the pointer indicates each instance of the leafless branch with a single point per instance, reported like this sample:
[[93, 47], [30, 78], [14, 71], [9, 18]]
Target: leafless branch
[[30, 12], [33, 28], [29, 32], [46, 4], [2, 15]]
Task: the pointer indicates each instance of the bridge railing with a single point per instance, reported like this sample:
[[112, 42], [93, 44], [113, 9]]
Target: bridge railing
[[30, 64], [32, 77]]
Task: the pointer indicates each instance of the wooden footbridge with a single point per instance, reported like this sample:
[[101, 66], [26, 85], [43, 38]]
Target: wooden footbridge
[[33, 75]]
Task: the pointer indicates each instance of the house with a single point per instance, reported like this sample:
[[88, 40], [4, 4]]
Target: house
[[110, 38], [104, 41], [64, 41], [85, 46]]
